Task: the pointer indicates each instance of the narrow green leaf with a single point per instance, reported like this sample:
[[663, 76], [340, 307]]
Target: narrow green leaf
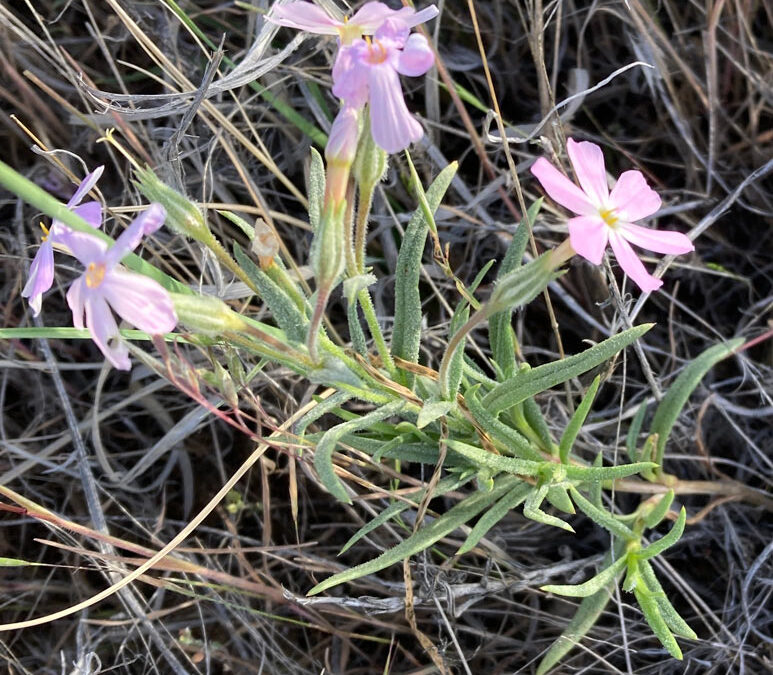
[[515, 443], [675, 622], [432, 410], [595, 487], [660, 510], [527, 384], [601, 517], [592, 473], [425, 537], [632, 438], [17, 562], [536, 420], [578, 419], [679, 392], [501, 335], [323, 455], [598, 583], [322, 408], [651, 611], [656, 548], [454, 379], [585, 618], [316, 188], [406, 335], [532, 510], [447, 484], [498, 511], [559, 497], [283, 309], [483, 458]]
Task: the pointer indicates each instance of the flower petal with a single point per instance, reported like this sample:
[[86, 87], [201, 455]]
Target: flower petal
[[146, 223], [393, 127], [91, 212], [589, 236], [631, 264], [350, 74], [84, 188], [560, 189], [304, 16], [85, 247], [660, 241], [103, 328], [139, 300], [371, 15], [416, 58], [632, 198], [344, 134], [41, 276], [75, 299], [588, 162]]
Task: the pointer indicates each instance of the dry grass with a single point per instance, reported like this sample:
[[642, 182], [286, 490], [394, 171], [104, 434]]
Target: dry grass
[[134, 457]]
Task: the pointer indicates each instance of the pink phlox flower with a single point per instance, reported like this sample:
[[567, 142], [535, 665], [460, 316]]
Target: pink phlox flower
[[368, 71], [42, 267], [607, 217], [309, 17], [106, 286]]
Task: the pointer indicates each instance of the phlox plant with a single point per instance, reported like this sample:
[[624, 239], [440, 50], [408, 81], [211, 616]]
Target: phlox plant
[[477, 427]]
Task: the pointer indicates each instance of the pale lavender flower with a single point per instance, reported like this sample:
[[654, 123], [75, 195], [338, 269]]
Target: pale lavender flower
[[42, 268], [309, 17], [106, 286], [368, 71]]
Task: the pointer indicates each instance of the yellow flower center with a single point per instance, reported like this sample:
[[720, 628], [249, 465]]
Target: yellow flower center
[[608, 216], [95, 275], [45, 231]]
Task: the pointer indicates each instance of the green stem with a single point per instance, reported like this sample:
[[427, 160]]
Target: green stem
[[369, 312]]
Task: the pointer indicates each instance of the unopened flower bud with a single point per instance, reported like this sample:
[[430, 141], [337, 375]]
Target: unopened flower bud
[[182, 216], [370, 165], [206, 315], [342, 142], [264, 244]]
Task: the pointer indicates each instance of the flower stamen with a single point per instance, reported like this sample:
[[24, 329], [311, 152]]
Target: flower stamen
[[608, 216], [45, 231], [95, 274]]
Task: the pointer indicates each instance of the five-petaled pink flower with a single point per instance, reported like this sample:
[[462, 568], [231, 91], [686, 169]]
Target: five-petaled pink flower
[[607, 217], [136, 298], [42, 267], [308, 17], [368, 71]]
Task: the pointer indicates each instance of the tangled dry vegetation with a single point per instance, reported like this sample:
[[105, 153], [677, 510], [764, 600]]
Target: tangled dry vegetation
[[680, 90]]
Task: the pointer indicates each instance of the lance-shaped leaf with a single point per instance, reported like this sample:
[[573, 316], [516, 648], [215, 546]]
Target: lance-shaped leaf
[[601, 517], [601, 473], [513, 440], [651, 611], [527, 384], [675, 622], [679, 392], [282, 307], [632, 438], [578, 419], [323, 455], [425, 536], [406, 335], [595, 584], [532, 510], [498, 511], [501, 335], [484, 458], [656, 548], [659, 511]]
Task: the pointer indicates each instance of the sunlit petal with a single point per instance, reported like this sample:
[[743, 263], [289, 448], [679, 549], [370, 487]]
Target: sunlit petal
[[588, 236], [588, 163], [560, 189], [632, 198], [631, 264], [659, 241]]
